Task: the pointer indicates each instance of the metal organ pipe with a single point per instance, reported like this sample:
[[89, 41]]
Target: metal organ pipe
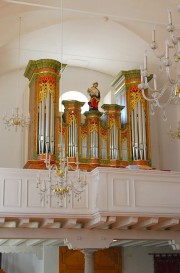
[[42, 125], [39, 128], [114, 142], [47, 121], [136, 133], [144, 133], [52, 126], [73, 138], [132, 133], [96, 144], [46, 125], [140, 129]]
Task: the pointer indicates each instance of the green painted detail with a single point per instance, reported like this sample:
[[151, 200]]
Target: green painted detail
[[104, 162], [74, 102], [43, 63], [56, 156], [35, 156], [130, 161], [127, 75], [149, 162], [130, 74], [92, 112], [112, 107], [84, 160]]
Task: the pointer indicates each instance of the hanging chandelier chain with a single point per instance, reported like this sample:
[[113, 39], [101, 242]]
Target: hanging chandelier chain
[[15, 119]]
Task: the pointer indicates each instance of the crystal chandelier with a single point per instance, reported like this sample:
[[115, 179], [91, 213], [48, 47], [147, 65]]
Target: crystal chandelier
[[15, 119], [62, 182], [174, 133], [169, 62]]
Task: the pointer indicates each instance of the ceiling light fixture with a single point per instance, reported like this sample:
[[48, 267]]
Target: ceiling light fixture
[[174, 133], [169, 61], [15, 119], [63, 182]]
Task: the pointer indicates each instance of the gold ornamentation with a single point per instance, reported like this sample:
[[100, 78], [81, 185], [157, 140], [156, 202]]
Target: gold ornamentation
[[135, 96], [103, 133], [46, 84], [72, 116], [94, 125], [84, 132]]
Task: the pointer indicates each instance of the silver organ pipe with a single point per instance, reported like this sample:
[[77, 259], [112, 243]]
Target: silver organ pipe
[[114, 140], [94, 144], [73, 138], [46, 125], [39, 128], [140, 130], [136, 144], [42, 126], [110, 144], [144, 133], [47, 121], [114, 149], [52, 126], [69, 142], [132, 134]]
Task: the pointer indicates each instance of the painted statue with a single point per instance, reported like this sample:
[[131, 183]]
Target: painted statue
[[94, 96]]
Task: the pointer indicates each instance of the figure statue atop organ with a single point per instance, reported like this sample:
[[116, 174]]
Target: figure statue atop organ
[[94, 93]]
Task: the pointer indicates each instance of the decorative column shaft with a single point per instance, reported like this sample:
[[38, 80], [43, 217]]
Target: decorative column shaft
[[88, 260]]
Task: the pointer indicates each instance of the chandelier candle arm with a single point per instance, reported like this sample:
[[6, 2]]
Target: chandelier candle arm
[[63, 181], [15, 120], [153, 34], [170, 61], [174, 133]]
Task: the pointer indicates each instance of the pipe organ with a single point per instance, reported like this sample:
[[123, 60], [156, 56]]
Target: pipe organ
[[117, 136]]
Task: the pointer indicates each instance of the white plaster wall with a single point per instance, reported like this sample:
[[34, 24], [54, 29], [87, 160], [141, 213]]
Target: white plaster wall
[[165, 152], [51, 259], [10, 141], [136, 260], [21, 263], [155, 140], [170, 150]]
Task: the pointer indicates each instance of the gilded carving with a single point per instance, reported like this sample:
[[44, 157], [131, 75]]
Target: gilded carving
[[46, 84], [93, 125], [135, 96]]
